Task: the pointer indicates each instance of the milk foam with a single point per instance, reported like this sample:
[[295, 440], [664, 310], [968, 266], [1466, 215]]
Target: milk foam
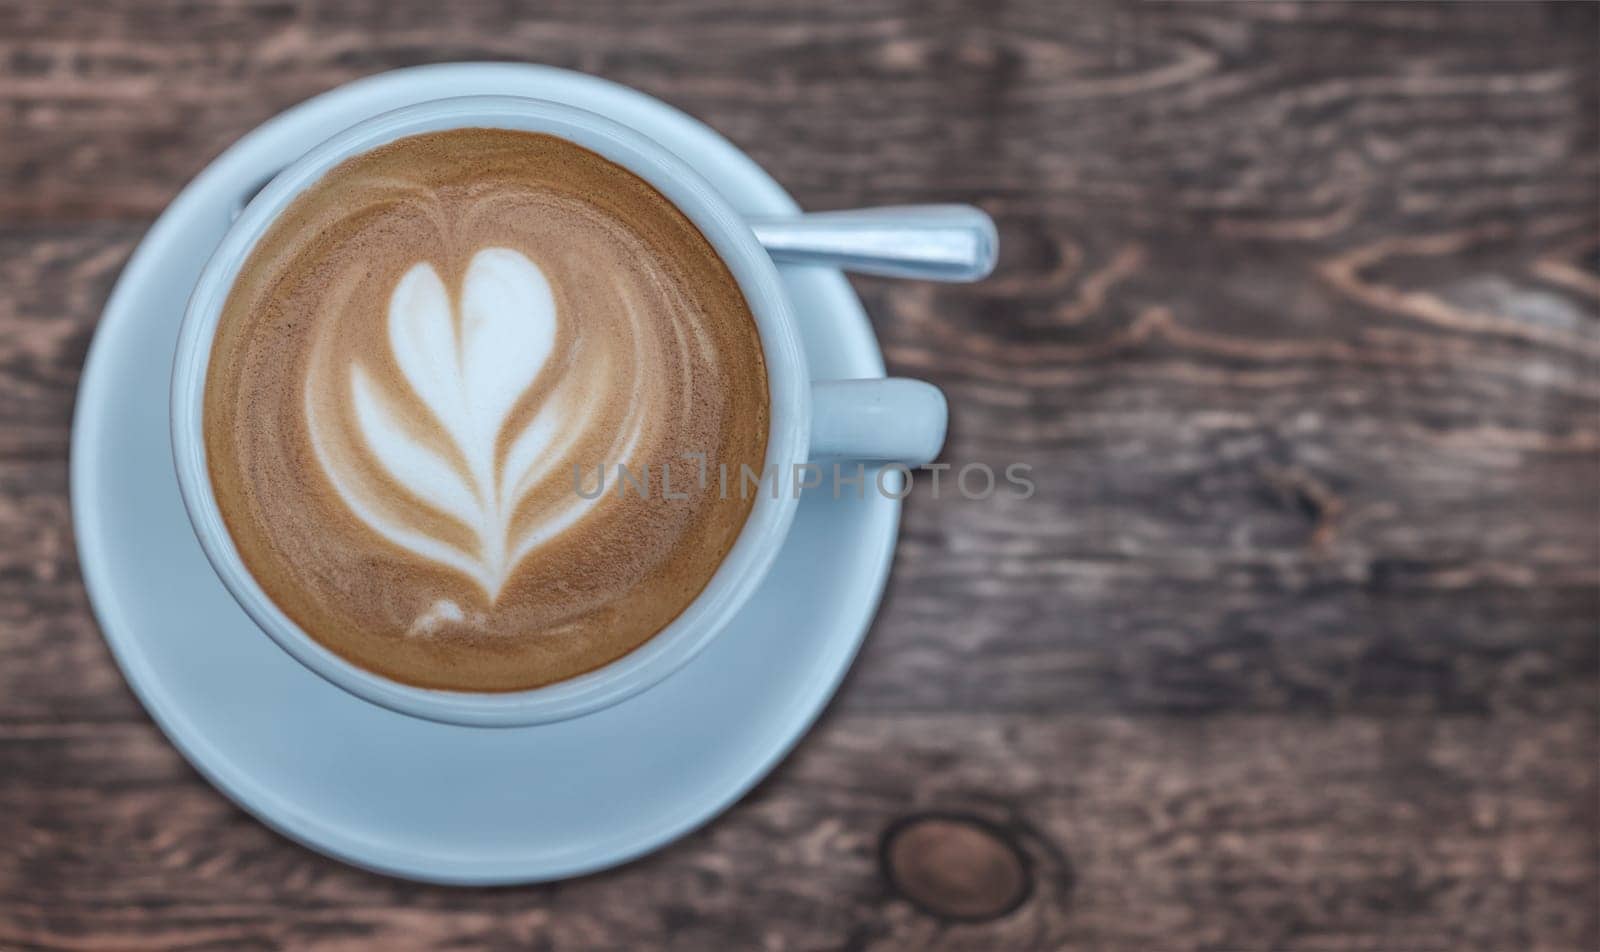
[[413, 361], [468, 367]]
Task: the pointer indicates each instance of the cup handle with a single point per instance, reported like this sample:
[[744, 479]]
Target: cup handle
[[893, 420]]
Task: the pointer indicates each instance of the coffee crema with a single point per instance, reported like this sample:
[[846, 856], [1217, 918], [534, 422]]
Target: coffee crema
[[412, 362]]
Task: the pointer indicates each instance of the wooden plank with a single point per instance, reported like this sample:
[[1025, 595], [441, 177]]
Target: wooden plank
[[54, 279], [1238, 832], [1156, 114]]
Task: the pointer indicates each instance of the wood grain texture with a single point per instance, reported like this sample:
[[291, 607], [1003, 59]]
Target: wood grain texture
[[1297, 321], [1238, 831]]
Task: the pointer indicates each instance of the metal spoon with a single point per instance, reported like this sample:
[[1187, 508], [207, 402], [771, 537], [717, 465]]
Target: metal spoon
[[931, 242]]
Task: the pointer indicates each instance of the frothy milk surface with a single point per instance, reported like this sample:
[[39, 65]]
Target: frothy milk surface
[[410, 365]]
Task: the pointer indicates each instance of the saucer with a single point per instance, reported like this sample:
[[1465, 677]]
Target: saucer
[[388, 792]]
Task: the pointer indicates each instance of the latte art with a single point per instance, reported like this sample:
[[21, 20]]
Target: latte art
[[411, 364], [467, 373]]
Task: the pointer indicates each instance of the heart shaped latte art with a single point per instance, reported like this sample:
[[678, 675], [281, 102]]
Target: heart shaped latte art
[[444, 438]]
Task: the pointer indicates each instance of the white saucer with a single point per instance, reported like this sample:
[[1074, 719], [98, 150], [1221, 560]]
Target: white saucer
[[381, 790]]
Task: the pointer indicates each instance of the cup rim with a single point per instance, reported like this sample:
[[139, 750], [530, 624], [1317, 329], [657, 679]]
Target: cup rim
[[740, 571]]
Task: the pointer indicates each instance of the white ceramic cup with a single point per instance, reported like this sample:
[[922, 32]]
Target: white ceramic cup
[[884, 420]]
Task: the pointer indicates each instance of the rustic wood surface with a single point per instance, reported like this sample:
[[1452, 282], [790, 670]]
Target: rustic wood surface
[[1296, 647]]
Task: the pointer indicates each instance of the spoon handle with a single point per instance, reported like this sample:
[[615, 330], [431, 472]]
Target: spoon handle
[[932, 242]]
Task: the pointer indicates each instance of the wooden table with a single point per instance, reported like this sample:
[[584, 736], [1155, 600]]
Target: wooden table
[[1296, 646]]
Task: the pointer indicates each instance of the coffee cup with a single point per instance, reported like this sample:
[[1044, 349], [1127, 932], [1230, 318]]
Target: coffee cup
[[874, 421]]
